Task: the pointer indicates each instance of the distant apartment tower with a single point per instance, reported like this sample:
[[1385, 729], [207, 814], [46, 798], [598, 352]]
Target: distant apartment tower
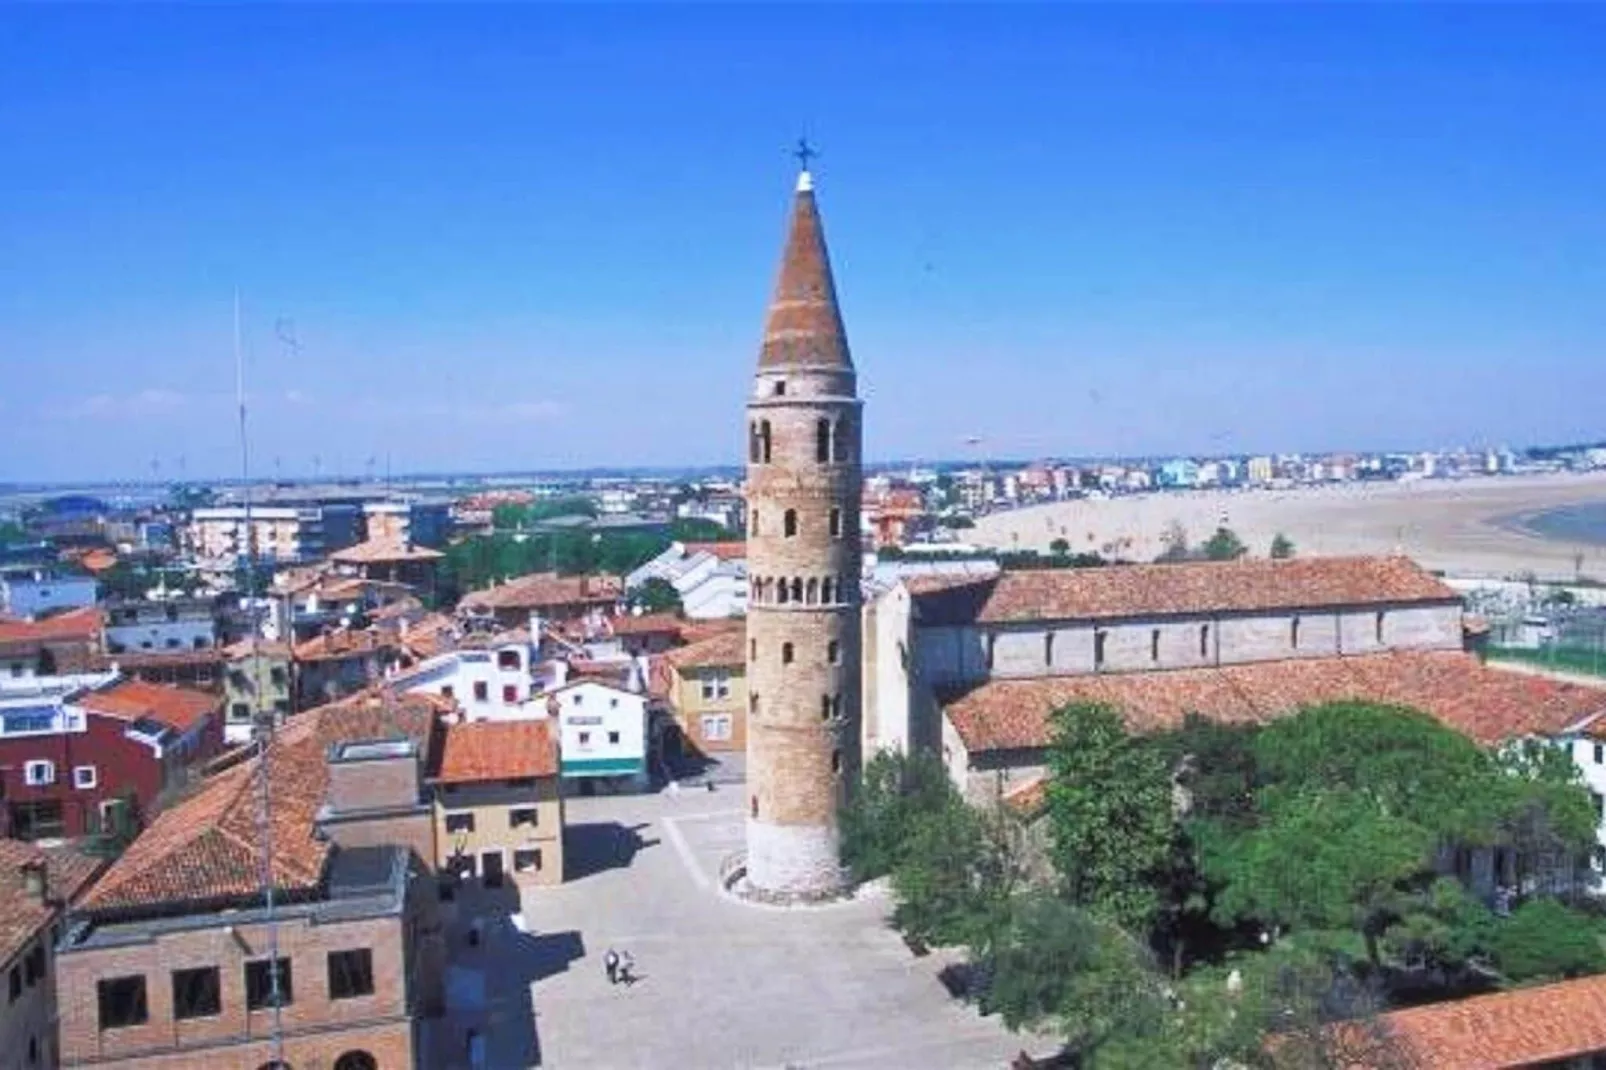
[[803, 553]]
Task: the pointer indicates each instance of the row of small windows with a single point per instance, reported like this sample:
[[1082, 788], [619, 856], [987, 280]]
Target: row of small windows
[[830, 441], [198, 993], [789, 523], [830, 705], [796, 591], [833, 652], [1099, 638]]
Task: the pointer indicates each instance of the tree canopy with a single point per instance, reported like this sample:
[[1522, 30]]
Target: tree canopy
[[1281, 547], [1224, 545]]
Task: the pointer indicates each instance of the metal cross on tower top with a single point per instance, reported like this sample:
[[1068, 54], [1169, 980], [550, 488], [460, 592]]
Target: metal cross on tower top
[[804, 153]]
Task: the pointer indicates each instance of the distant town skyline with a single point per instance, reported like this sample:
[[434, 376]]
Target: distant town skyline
[[518, 238]]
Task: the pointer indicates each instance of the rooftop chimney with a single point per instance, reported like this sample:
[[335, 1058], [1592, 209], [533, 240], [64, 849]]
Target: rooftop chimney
[[35, 881]]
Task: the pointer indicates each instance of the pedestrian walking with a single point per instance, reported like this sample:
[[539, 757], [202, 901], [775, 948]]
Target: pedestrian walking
[[610, 962], [627, 970]]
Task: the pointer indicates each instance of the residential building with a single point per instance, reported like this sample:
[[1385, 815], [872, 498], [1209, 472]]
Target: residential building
[[546, 594], [707, 690], [67, 642], [892, 516], [72, 748], [341, 662], [1260, 470], [156, 625], [498, 802], [36, 885], [33, 592], [410, 523], [640, 634], [200, 669], [709, 577], [311, 600], [391, 561], [281, 533], [495, 683], [166, 961], [602, 735], [259, 680]]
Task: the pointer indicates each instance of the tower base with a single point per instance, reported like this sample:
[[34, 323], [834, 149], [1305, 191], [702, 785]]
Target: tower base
[[793, 863]]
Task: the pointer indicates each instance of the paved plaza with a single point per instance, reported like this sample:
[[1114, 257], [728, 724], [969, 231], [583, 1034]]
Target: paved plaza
[[722, 983]]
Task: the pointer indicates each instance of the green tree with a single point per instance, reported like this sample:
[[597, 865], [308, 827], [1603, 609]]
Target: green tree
[[1110, 814], [1062, 966], [1059, 547], [1224, 545], [700, 529], [934, 879], [657, 595], [1545, 940], [1282, 547], [12, 534], [878, 821]]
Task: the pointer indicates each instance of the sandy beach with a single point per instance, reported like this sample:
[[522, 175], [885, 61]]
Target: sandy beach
[[1471, 527]]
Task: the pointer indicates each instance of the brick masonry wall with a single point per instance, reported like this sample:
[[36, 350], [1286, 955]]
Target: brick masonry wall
[[311, 1010], [803, 726], [947, 655]]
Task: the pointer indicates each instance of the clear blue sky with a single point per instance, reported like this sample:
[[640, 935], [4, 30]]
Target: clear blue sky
[[525, 236]]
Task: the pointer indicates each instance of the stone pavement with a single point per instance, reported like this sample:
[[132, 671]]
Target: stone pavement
[[722, 983]]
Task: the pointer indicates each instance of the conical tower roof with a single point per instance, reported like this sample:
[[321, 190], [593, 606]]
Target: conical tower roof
[[804, 325]]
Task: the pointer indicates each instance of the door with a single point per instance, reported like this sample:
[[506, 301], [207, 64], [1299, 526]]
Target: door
[[491, 868]]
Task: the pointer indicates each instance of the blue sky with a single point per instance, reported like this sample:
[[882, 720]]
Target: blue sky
[[528, 236]]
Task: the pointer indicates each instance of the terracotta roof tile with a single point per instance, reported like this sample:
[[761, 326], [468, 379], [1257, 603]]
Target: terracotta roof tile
[[543, 589], [82, 623], [1501, 1031], [381, 551], [1120, 591], [22, 916], [473, 751], [338, 644], [1485, 704], [177, 707], [728, 648], [732, 550], [646, 624], [203, 849]]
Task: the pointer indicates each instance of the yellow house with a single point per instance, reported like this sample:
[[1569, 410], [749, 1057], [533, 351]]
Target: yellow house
[[498, 802], [708, 690]]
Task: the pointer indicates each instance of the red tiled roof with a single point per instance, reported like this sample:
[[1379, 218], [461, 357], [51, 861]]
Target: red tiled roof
[[154, 659], [22, 916], [731, 550], [334, 645], [204, 848], [177, 707], [647, 624], [695, 631], [542, 589], [383, 551], [1526, 1027], [728, 648], [1187, 588], [495, 750], [82, 623], [1485, 704], [1029, 797]]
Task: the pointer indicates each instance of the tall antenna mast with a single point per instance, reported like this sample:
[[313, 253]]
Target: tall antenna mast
[[262, 719]]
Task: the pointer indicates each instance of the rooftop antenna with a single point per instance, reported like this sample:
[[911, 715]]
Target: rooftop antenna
[[262, 718]]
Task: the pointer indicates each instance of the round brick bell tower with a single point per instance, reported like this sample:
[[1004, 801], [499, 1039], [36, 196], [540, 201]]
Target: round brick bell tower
[[803, 563]]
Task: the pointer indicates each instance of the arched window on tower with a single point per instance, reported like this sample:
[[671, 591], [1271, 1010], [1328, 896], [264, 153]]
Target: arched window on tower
[[752, 523], [827, 591], [755, 452], [822, 440], [786, 653], [825, 707], [833, 652], [811, 591], [836, 523], [764, 440], [797, 589], [839, 442], [789, 523], [782, 591]]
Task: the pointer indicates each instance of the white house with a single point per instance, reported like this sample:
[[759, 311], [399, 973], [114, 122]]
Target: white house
[[602, 732], [493, 684], [710, 577]]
